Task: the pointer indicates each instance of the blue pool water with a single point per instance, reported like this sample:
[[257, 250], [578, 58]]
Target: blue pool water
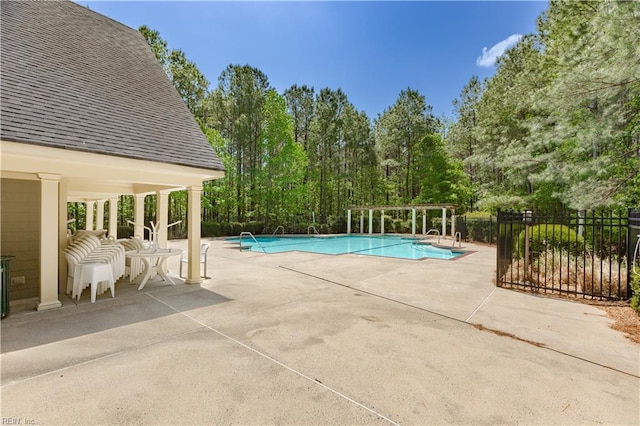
[[387, 246]]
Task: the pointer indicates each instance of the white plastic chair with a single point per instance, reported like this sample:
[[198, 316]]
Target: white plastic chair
[[134, 266], [93, 274], [82, 273], [86, 254], [94, 247], [204, 247], [75, 257]]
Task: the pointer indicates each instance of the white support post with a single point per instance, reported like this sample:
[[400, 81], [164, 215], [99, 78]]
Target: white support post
[[413, 222], [113, 217], [49, 240], [424, 222], [444, 222], [100, 214], [453, 223], [193, 231], [362, 221], [349, 222], [381, 222], [62, 235], [162, 217], [89, 215], [370, 222], [138, 215]]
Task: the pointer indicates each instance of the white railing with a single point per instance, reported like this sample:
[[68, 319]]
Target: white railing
[[315, 231], [279, 227], [457, 237], [433, 231], [249, 234]]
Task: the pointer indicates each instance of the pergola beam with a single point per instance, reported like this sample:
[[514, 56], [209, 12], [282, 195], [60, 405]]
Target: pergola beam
[[434, 206]]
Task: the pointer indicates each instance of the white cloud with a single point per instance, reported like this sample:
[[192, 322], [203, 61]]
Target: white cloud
[[490, 56]]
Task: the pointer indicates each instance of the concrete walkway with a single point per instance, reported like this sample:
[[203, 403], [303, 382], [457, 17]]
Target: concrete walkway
[[298, 338]]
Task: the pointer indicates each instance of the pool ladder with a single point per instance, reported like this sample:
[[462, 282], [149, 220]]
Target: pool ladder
[[433, 231], [315, 231], [277, 229], [430, 231], [457, 237], [249, 234]]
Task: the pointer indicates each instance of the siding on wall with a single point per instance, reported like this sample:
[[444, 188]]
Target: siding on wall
[[20, 233]]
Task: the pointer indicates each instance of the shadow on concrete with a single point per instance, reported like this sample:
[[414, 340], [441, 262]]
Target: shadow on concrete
[[31, 329]]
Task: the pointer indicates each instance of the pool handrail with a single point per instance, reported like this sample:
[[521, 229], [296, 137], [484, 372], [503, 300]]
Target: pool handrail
[[457, 237], [247, 233], [433, 231], [315, 231], [279, 227]]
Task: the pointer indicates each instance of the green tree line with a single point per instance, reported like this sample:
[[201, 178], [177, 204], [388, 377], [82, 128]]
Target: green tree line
[[558, 125], [308, 154]]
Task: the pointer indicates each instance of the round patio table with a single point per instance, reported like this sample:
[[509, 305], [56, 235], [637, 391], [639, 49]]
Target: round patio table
[[154, 261]]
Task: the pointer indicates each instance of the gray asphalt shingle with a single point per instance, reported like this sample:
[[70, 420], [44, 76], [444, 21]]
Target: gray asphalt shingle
[[75, 79]]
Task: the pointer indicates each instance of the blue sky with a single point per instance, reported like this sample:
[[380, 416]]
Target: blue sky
[[372, 50]]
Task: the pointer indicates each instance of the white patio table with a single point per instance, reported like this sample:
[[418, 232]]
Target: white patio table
[[154, 261]]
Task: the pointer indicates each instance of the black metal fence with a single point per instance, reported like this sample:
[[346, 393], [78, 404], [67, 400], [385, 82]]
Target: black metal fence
[[633, 248], [477, 229], [585, 254]]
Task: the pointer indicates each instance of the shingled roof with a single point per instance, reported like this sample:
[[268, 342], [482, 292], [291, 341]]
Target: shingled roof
[[74, 79]]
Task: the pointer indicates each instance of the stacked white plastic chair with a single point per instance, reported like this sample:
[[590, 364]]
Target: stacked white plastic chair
[[86, 259], [134, 266]]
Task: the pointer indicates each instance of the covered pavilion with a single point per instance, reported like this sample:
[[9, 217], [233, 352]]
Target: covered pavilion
[[87, 114]]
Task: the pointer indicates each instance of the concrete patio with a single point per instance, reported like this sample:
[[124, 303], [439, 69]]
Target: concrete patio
[[298, 338]]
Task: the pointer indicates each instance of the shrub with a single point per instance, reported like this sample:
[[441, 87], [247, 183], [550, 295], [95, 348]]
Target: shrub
[[400, 226], [388, 224], [635, 291], [336, 225], [546, 237], [210, 229], [481, 229], [125, 231], [235, 228], [254, 227], [557, 271]]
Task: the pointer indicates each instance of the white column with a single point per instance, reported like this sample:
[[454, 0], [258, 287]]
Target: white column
[[193, 231], [49, 240], [424, 222], [453, 224], [413, 222], [362, 221], [62, 235], [370, 221], [349, 222], [162, 217], [89, 215], [381, 222], [138, 215], [100, 214], [113, 217], [444, 222]]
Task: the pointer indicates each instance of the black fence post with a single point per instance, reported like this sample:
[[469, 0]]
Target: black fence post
[[498, 249], [633, 239], [491, 229]]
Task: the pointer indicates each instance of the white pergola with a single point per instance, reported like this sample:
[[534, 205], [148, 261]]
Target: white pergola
[[414, 209]]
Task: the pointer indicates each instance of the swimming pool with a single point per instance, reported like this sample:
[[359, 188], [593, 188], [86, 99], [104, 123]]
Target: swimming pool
[[386, 246]]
